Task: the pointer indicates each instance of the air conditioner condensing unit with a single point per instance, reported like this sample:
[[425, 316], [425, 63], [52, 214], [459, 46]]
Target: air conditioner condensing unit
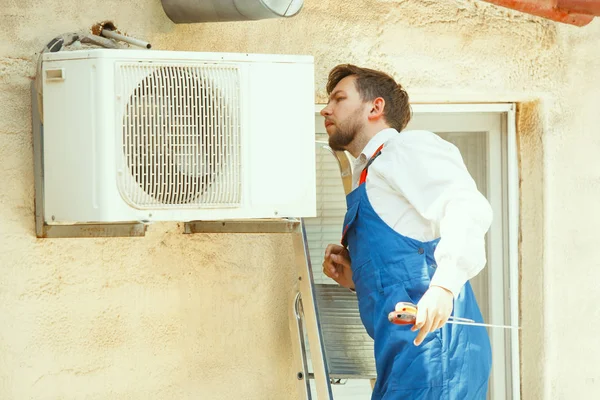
[[137, 135]]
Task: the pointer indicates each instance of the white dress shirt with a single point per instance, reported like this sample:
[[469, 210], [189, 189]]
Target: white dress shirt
[[420, 187]]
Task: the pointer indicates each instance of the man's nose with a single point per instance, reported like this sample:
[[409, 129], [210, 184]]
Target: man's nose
[[326, 111]]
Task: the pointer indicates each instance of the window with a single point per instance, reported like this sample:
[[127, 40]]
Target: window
[[484, 134]]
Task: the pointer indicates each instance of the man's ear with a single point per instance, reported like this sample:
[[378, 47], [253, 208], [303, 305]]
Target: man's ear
[[377, 109]]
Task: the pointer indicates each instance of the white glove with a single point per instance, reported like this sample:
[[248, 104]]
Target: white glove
[[433, 311]]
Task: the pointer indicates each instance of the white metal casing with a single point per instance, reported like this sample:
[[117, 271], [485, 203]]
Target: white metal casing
[[84, 107]]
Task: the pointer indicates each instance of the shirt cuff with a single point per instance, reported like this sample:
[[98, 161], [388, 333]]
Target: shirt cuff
[[449, 277]]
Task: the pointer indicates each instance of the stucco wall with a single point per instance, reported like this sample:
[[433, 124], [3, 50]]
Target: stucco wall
[[148, 318]]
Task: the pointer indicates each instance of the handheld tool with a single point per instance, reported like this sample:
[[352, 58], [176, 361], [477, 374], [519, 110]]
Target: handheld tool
[[407, 315]]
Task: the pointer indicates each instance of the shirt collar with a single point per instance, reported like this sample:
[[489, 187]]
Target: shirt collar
[[380, 138]]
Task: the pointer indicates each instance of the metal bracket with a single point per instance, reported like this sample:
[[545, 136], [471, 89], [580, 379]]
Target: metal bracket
[[44, 230], [91, 230], [243, 226]]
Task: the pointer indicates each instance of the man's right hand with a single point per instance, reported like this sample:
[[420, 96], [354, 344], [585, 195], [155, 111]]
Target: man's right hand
[[336, 265]]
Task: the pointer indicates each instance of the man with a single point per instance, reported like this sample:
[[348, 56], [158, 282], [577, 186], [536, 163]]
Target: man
[[414, 232]]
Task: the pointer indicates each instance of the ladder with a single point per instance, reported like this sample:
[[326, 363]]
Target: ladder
[[327, 315]]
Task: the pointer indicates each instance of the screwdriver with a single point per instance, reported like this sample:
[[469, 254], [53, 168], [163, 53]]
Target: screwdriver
[[406, 314]]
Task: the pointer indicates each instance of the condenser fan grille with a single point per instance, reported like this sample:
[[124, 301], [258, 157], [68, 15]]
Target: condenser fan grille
[[180, 136]]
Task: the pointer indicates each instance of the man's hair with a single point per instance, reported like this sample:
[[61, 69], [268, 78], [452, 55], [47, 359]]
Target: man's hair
[[372, 84]]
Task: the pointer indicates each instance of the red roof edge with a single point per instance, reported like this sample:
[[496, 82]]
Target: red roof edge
[[590, 7], [573, 12]]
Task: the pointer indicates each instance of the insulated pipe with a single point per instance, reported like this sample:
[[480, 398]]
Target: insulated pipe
[[117, 36], [189, 11]]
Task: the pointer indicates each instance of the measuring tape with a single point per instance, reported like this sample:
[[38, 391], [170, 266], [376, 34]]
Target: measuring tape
[[407, 315]]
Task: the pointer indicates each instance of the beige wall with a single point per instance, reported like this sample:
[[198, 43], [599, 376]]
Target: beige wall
[[149, 318]]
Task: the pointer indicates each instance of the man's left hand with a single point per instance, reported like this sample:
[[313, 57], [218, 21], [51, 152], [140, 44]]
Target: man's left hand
[[433, 311]]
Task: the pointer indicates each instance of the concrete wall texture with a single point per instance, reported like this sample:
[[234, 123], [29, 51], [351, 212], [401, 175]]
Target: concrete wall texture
[[148, 318]]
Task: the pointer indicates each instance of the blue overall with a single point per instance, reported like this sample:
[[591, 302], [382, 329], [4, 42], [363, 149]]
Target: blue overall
[[453, 362]]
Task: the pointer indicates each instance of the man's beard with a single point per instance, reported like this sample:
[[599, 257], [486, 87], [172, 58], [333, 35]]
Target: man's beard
[[346, 131]]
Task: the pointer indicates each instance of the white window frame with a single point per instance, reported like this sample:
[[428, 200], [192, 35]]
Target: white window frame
[[512, 186]]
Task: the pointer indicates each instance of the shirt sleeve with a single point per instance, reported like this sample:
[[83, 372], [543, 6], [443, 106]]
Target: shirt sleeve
[[430, 173]]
